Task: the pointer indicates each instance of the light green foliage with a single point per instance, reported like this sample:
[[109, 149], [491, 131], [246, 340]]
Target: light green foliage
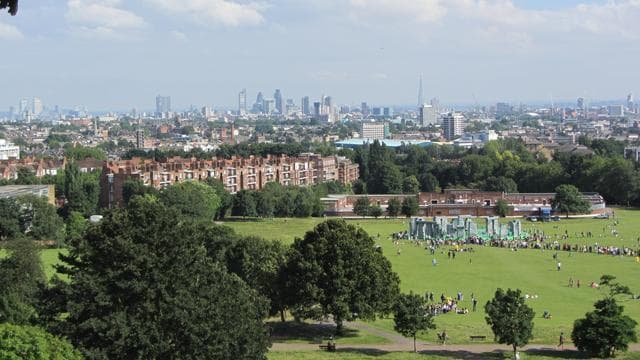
[[32, 343], [511, 320], [410, 316]]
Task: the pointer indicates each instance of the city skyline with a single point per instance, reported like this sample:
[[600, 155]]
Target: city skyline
[[111, 54]]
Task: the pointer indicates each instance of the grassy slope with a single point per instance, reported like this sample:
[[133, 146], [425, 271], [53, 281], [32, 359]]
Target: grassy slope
[[533, 271]]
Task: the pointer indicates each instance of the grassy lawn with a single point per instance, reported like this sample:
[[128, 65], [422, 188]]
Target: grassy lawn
[[304, 333], [481, 272], [377, 355]]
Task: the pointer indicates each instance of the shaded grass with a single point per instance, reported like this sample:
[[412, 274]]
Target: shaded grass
[[352, 354], [307, 333]]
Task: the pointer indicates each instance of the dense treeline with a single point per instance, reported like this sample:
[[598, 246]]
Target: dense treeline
[[158, 278], [503, 165], [240, 150]]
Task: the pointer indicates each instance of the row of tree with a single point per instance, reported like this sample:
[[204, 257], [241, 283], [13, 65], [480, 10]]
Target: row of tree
[[502, 165], [600, 333]]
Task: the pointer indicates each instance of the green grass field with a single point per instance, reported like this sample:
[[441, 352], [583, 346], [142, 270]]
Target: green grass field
[[353, 355], [481, 272]]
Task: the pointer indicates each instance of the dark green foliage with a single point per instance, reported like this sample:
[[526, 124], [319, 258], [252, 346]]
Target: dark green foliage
[[410, 206], [244, 204], [29, 215], [21, 274], [32, 343], [500, 184], [9, 219], [410, 316], [226, 200], [361, 206], [428, 182], [142, 287], [410, 185], [11, 5], [394, 207], [193, 200], [569, 200], [336, 270], [81, 153], [265, 204], [511, 320], [375, 211], [258, 261], [604, 330], [502, 208], [135, 187]]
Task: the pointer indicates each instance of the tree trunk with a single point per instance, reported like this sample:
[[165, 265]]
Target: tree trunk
[[515, 350], [414, 343], [338, 321], [282, 315]]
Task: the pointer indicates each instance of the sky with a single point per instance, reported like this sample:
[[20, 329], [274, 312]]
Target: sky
[[120, 54]]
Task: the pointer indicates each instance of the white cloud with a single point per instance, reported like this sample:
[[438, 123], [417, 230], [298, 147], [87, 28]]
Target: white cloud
[[618, 18], [219, 12], [9, 32], [178, 35], [102, 18], [406, 10]]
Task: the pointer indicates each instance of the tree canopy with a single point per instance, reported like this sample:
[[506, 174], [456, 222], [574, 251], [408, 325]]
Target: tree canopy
[[337, 270], [511, 320], [569, 200], [411, 317], [142, 286], [192, 199]]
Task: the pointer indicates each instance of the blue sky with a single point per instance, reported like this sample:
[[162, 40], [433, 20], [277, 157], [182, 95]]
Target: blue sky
[[117, 54]]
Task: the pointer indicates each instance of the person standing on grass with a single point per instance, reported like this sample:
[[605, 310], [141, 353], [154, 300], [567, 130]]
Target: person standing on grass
[[561, 342], [559, 265], [475, 303]]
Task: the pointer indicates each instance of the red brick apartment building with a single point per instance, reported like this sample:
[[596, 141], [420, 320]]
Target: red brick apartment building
[[454, 202], [251, 173]]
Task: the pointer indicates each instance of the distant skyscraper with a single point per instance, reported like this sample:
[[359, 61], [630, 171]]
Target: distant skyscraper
[[258, 107], [37, 106], [580, 103], [140, 139], [616, 110], [268, 106], [328, 105], [630, 103], [317, 109], [364, 109], [306, 105], [387, 112], [428, 115], [163, 105], [242, 102], [23, 107], [420, 93], [277, 96], [453, 125]]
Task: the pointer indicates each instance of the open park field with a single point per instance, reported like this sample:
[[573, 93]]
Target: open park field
[[479, 272]]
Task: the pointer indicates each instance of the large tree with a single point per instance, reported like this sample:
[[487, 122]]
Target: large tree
[[337, 270], [32, 343], [21, 275], [511, 320], [411, 316], [394, 207], [142, 286], [606, 329], [410, 206], [192, 199], [569, 200]]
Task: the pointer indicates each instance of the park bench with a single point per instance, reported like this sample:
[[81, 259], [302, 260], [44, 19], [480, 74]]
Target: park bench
[[328, 347], [477, 337]]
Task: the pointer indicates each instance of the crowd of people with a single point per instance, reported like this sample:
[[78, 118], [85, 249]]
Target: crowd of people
[[449, 304]]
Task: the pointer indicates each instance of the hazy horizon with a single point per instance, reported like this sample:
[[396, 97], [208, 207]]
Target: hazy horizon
[[114, 55]]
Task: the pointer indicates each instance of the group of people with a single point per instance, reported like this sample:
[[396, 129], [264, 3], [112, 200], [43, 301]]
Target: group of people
[[449, 304]]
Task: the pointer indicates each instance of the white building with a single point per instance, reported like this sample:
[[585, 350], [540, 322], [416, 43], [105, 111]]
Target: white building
[[374, 130], [8, 150], [428, 115], [616, 110], [453, 125]]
